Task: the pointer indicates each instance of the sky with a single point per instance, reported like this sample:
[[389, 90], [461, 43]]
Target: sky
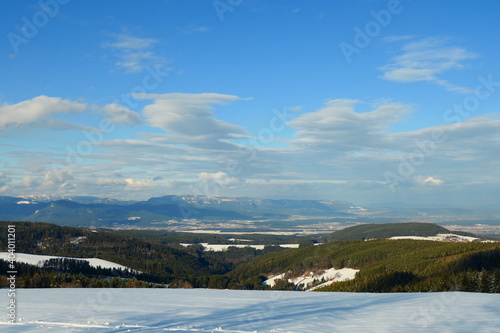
[[363, 101]]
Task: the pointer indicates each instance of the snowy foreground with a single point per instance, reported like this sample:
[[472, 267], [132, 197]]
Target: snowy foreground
[[201, 310]]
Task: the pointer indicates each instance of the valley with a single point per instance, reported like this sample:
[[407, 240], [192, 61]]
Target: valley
[[392, 257]]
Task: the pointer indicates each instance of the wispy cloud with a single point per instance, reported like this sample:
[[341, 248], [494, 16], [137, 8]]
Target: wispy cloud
[[40, 111], [427, 60], [397, 38], [132, 43], [134, 53], [192, 29]]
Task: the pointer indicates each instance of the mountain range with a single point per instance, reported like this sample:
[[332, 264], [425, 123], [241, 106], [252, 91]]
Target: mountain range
[[94, 211], [179, 209]]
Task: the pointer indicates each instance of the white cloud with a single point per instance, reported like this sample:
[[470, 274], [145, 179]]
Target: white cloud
[[118, 114], [294, 108], [39, 111], [212, 176], [58, 177], [429, 181], [433, 181], [131, 43], [397, 38], [188, 118], [139, 183], [135, 53], [30, 182], [427, 60], [4, 180], [338, 153], [338, 125]]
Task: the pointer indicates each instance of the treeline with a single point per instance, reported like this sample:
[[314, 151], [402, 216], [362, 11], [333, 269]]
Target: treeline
[[70, 273], [74, 266], [174, 238], [468, 281]]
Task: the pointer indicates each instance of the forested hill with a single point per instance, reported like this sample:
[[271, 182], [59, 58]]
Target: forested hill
[[162, 262], [387, 230], [389, 265]]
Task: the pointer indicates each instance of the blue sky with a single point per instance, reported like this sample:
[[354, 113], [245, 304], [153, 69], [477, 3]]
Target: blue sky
[[366, 101]]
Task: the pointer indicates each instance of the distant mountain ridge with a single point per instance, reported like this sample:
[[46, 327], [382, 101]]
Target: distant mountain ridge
[[94, 211], [255, 205], [156, 211]]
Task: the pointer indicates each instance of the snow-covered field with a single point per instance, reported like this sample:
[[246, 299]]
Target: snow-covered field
[[441, 238], [225, 247], [230, 311], [36, 259]]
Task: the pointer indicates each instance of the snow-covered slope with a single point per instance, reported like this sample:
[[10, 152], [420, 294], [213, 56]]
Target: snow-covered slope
[[441, 238], [307, 279], [35, 259], [232, 311]]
